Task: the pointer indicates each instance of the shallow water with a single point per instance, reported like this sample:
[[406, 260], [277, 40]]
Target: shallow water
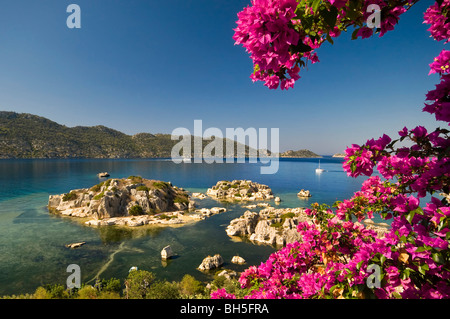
[[32, 241]]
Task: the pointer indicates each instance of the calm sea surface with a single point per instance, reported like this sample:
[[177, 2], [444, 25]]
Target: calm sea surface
[[32, 242]]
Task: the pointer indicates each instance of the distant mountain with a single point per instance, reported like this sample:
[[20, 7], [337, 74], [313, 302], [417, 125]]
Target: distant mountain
[[300, 154], [31, 136]]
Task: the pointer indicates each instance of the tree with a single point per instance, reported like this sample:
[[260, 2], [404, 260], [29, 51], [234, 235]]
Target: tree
[[338, 257], [138, 283]]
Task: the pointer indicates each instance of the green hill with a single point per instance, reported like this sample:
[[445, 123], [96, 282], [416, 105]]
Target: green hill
[[299, 154], [32, 136]]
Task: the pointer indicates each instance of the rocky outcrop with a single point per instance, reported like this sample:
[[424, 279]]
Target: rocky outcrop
[[210, 263], [241, 190], [238, 260], [244, 225], [278, 227], [270, 226], [198, 195], [304, 193], [228, 274], [137, 200], [208, 212]]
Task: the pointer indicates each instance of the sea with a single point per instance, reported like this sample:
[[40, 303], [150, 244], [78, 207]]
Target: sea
[[33, 242]]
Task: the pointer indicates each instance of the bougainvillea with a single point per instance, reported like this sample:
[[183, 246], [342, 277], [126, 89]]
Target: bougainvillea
[[281, 36], [336, 253]]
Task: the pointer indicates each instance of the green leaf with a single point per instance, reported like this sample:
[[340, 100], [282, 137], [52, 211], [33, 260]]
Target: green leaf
[[423, 269], [315, 5], [421, 249], [437, 258], [358, 265], [354, 34], [330, 17], [329, 39], [307, 22], [301, 47], [406, 273], [410, 216]]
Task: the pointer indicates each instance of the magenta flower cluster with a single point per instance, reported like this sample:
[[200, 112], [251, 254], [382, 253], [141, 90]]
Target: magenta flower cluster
[[436, 15], [281, 35], [266, 30]]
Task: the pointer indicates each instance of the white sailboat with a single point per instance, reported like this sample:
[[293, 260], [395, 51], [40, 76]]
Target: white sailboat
[[319, 170]]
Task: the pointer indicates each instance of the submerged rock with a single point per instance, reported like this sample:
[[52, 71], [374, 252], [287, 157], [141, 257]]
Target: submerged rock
[[75, 245]]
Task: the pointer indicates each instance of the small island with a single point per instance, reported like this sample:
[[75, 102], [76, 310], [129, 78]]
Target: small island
[[133, 201], [278, 227], [339, 155], [300, 154], [240, 190]]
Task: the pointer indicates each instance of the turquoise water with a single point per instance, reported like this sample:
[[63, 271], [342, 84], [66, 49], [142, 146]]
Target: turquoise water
[[32, 242]]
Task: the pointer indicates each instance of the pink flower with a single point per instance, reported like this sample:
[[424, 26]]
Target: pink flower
[[365, 32], [338, 3], [222, 294], [434, 15], [403, 132], [441, 63], [265, 29], [440, 98], [419, 131]]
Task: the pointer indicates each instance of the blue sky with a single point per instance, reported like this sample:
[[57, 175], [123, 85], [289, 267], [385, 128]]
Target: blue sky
[[153, 66]]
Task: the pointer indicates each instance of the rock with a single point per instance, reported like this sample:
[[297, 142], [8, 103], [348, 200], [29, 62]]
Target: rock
[[277, 199], [109, 206], [265, 233], [380, 228], [228, 274], [218, 210], [75, 245], [166, 252], [199, 195], [134, 268], [238, 260], [54, 200], [211, 262], [207, 212], [244, 225], [242, 190], [304, 193]]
